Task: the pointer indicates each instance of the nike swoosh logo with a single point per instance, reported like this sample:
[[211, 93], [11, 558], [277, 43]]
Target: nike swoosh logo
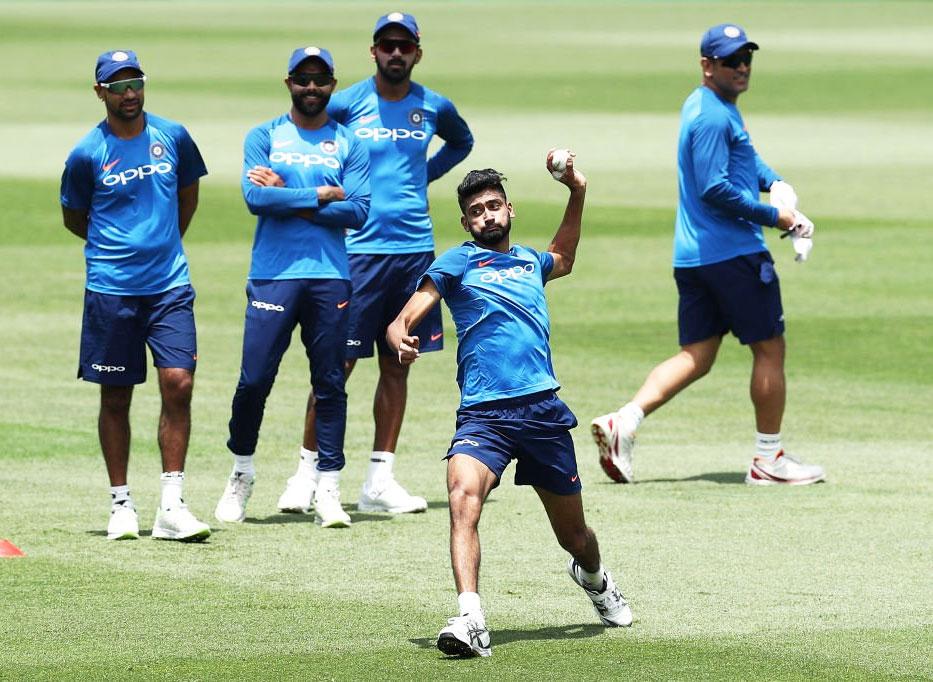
[[435, 337], [363, 120], [573, 479], [278, 144], [341, 306], [110, 165], [484, 263]]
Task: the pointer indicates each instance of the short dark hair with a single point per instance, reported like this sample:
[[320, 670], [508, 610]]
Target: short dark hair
[[477, 181]]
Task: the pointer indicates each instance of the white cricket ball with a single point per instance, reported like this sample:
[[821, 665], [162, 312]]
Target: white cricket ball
[[559, 159]]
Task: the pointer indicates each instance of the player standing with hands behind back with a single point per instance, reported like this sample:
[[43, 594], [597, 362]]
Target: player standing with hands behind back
[[509, 407], [130, 189], [395, 118], [724, 272]]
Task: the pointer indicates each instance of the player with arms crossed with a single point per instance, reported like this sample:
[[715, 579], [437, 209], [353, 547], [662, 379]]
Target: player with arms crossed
[[130, 189], [725, 275], [509, 408], [306, 178], [396, 119]]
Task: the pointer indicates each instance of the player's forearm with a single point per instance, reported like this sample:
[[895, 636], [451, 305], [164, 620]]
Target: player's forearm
[[278, 201], [447, 157], [350, 214], [187, 205], [75, 222], [728, 198], [567, 238]]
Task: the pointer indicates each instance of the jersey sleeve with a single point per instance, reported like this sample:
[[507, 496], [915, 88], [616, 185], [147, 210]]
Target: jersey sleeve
[[766, 175], [77, 187], [270, 201], [351, 212], [338, 108], [190, 163], [546, 259], [458, 140], [446, 270], [710, 141]]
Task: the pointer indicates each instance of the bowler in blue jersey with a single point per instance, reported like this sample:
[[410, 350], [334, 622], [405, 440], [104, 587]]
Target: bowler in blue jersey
[[129, 190], [725, 275], [306, 179], [396, 118], [509, 409]]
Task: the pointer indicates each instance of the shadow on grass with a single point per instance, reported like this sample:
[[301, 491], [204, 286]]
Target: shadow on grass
[[721, 477], [501, 637]]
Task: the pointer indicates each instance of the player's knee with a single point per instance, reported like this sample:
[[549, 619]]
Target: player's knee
[[465, 505], [177, 387], [115, 399]]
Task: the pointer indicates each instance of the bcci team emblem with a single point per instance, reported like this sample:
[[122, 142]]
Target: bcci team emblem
[[416, 117], [157, 151], [329, 147]]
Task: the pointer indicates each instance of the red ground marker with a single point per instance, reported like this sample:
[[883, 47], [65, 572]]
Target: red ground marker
[[8, 549]]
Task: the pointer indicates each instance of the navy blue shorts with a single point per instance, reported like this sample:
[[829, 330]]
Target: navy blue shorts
[[382, 285], [116, 330], [532, 429], [741, 295]]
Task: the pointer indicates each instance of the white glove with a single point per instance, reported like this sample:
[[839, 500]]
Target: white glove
[[802, 247], [783, 195], [803, 226]]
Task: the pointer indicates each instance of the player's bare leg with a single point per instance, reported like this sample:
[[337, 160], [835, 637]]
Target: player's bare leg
[[614, 433], [113, 430], [389, 403], [565, 513], [173, 520], [768, 389]]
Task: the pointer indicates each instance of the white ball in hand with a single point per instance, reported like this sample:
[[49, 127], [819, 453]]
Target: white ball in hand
[[559, 158]]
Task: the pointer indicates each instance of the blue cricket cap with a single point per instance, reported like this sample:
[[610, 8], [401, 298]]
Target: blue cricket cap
[[303, 53], [112, 61], [723, 39], [406, 21]]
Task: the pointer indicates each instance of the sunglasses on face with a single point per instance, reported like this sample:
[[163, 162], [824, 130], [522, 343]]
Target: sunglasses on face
[[388, 46], [120, 87], [734, 60], [305, 79]]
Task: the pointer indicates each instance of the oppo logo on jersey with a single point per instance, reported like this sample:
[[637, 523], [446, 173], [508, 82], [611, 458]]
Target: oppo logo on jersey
[[306, 160], [514, 272], [137, 173], [393, 134]]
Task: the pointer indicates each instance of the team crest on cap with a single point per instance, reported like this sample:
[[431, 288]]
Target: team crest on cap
[[157, 151], [416, 117], [395, 16], [119, 56], [329, 147], [731, 31], [312, 51]]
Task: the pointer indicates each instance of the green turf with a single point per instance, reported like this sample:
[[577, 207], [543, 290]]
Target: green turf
[[727, 582]]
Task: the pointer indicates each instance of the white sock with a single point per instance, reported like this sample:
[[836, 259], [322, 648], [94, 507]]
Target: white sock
[[631, 416], [120, 494], [307, 463], [767, 444], [380, 466], [329, 477], [243, 464], [172, 482], [469, 604], [596, 581]]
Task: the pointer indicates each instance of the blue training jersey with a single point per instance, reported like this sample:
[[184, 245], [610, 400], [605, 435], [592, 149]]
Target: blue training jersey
[[129, 189], [720, 177], [287, 246], [397, 135], [503, 330]]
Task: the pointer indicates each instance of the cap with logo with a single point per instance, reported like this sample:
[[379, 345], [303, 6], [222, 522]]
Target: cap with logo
[[723, 39], [303, 53], [112, 61], [406, 21]]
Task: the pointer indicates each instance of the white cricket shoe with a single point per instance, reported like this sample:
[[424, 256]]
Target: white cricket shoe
[[609, 604], [298, 496], [615, 445], [327, 510], [783, 470], [231, 508], [124, 523], [178, 523], [387, 495], [465, 636]]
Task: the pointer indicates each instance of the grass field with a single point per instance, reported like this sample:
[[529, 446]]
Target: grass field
[[726, 581]]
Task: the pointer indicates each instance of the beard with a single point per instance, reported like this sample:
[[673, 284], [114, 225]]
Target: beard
[[490, 236], [310, 108], [395, 75], [125, 114]]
